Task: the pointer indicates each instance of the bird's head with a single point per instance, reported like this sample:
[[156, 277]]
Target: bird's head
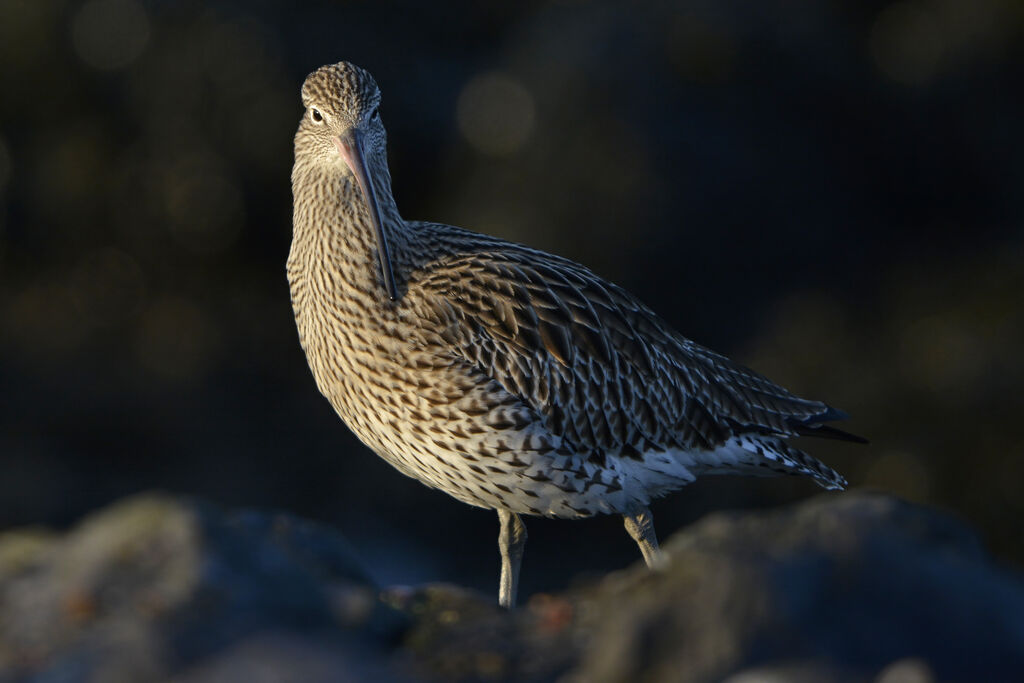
[[342, 117], [342, 131]]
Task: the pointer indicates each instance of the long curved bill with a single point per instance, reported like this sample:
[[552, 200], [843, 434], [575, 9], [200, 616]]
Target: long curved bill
[[350, 146]]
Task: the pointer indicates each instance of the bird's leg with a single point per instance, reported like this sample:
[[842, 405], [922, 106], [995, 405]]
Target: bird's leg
[[511, 541], [641, 528]]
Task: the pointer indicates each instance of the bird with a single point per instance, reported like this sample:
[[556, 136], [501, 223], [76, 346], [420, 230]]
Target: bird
[[509, 378]]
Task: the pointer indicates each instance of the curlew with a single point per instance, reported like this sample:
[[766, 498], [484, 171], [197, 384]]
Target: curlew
[[507, 377]]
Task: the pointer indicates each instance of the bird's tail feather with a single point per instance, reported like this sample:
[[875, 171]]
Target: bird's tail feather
[[765, 455]]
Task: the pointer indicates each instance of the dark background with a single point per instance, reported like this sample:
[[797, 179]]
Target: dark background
[[831, 192]]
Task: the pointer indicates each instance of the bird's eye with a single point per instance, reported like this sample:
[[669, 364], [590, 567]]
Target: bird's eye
[[317, 116], [375, 116]]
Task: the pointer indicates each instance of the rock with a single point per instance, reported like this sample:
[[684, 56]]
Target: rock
[[840, 588], [853, 582], [155, 587], [851, 587]]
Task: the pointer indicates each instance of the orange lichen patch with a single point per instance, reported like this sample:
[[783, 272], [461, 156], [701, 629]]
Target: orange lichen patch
[[491, 665], [553, 614], [448, 617], [151, 605], [80, 606]]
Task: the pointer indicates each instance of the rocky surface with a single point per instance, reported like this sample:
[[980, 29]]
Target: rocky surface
[[155, 586], [841, 588]]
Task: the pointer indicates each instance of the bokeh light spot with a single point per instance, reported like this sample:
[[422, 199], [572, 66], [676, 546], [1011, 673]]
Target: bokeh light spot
[[903, 474], [699, 51], [106, 285], [6, 164], [495, 114], [943, 353], [65, 170], [175, 340], [42, 321], [907, 43], [110, 34], [25, 32], [203, 205]]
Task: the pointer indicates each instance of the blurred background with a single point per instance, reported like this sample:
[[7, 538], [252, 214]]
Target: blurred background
[[830, 192]]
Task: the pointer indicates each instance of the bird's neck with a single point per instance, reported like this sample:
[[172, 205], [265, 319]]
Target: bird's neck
[[334, 235]]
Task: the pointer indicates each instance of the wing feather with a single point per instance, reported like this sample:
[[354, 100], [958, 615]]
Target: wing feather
[[603, 370]]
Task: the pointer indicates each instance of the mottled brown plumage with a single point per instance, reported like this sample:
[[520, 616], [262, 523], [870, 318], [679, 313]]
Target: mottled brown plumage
[[507, 377]]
